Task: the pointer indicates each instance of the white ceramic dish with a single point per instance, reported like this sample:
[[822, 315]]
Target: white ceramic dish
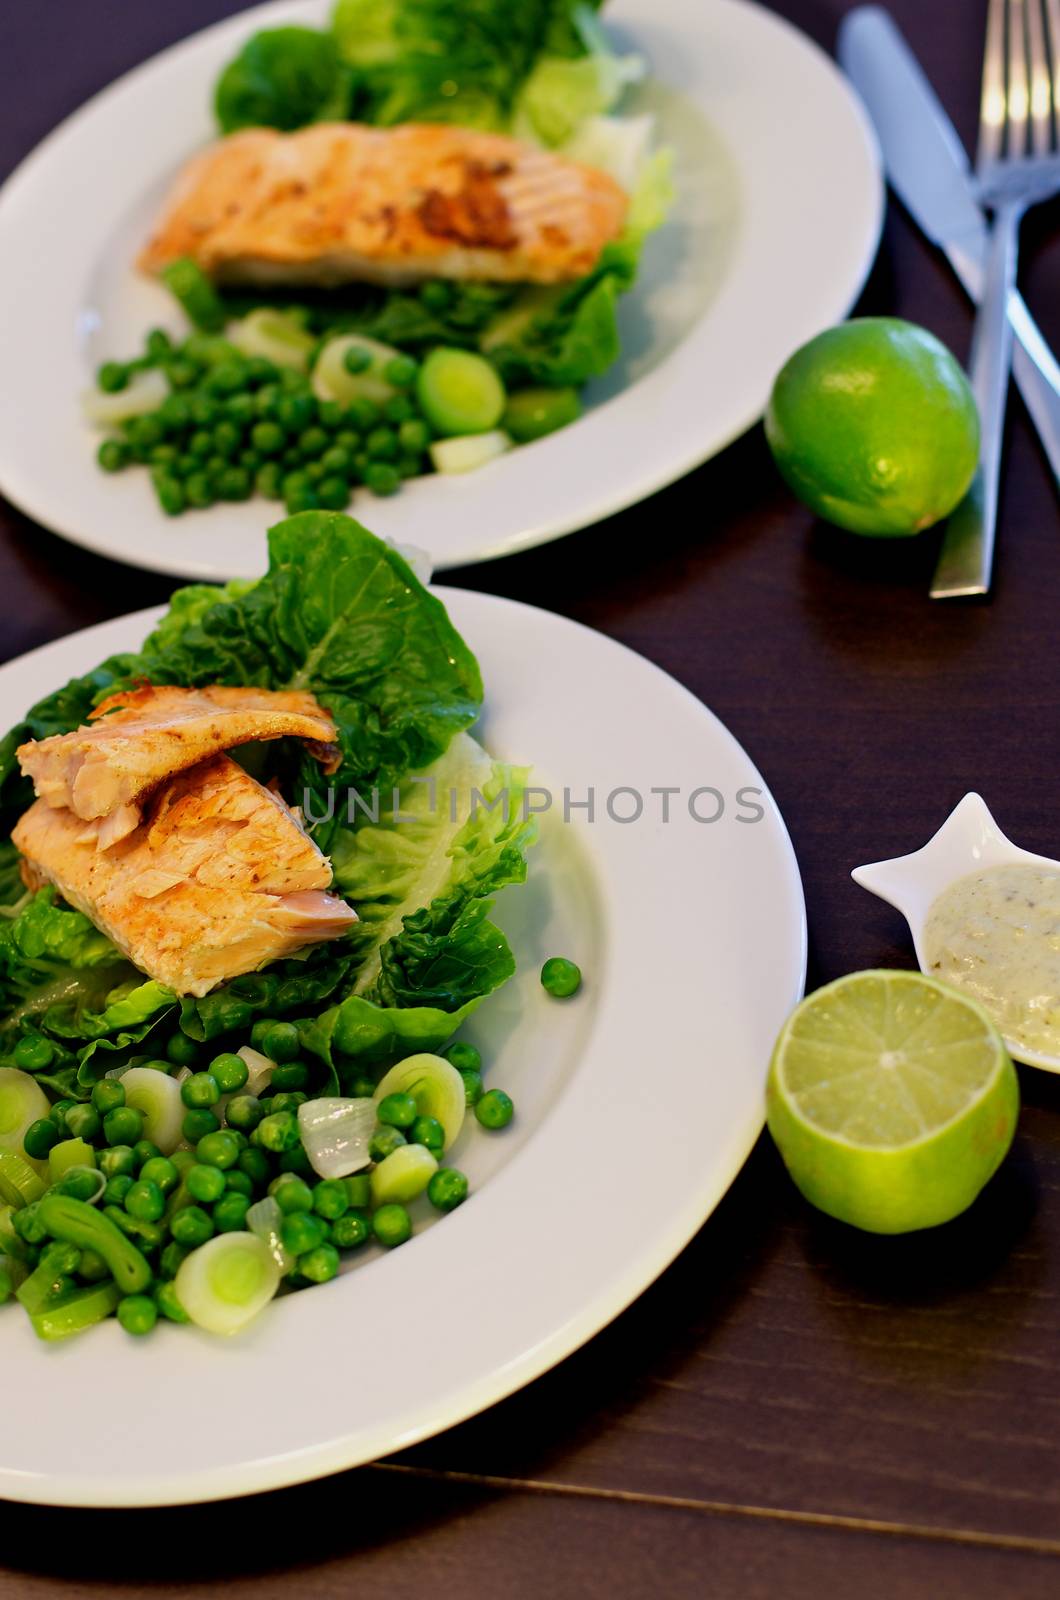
[[776, 226], [692, 939], [968, 841]]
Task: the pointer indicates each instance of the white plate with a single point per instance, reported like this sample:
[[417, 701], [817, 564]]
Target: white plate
[[637, 1103], [775, 228]]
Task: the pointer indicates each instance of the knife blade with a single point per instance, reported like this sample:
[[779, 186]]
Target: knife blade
[[929, 171]]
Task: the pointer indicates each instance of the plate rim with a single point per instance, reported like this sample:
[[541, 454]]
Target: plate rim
[[609, 1299], [610, 494]]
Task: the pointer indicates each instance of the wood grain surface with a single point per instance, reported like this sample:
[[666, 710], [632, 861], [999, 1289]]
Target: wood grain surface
[[791, 1408]]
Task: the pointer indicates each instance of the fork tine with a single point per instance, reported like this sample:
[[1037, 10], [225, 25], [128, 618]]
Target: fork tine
[[1018, 97], [1052, 39], [1041, 98], [992, 102]]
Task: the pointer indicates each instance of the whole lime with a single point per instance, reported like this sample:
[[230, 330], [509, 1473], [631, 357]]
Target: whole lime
[[874, 426]]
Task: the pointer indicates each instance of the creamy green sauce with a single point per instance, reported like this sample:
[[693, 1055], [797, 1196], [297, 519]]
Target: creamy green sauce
[[996, 934]]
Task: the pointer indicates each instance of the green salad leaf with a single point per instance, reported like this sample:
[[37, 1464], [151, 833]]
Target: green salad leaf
[[284, 78], [457, 61]]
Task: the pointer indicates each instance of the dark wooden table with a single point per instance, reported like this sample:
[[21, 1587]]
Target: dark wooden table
[[791, 1407]]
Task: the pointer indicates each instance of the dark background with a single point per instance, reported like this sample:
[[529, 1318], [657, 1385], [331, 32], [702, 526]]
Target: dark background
[[791, 1408]]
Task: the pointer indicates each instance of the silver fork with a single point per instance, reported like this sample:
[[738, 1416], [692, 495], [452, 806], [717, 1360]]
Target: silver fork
[[1017, 166]]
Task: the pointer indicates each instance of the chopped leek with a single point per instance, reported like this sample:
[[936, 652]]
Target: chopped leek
[[145, 392], [336, 1133], [276, 335], [436, 1087], [157, 1095], [470, 451], [333, 379], [225, 1283], [20, 1182], [22, 1102], [403, 1175]]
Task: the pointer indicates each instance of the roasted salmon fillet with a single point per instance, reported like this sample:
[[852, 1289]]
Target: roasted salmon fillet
[[340, 202], [137, 738], [218, 879]]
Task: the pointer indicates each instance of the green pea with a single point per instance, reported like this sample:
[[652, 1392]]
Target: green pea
[[384, 1142], [330, 414], [295, 412], [40, 1137], [280, 1041], [107, 1095], [295, 1160], [356, 359], [401, 372], [191, 1226], [397, 1111], [278, 1132], [200, 1091], [301, 1231], [313, 442], [463, 1055], [158, 344], [174, 413], [314, 473], [205, 1184], [123, 1125], [226, 377], [319, 1265], [288, 1077], [219, 1149], [303, 500], [143, 1152], [268, 437], [243, 1112], [495, 1109], [429, 1132], [414, 436], [347, 441], [292, 1194], [267, 481], [350, 1230], [197, 1124], [364, 414], [381, 478], [237, 1182], [255, 1163], [234, 484], [117, 1188], [329, 1199], [112, 377], [164, 455], [169, 495], [137, 1313], [82, 1122], [472, 1085], [28, 1225], [198, 492], [112, 455], [381, 444], [160, 1171], [168, 1304], [447, 1189], [251, 462], [261, 370], [145, 1201], [180, 1050], [392, 1225], [229, 1071], [117, 1161], [288, 1100], [560, 977], [181, 374], [230, 1212], [33, 1053], [239, 408], [334, 494]]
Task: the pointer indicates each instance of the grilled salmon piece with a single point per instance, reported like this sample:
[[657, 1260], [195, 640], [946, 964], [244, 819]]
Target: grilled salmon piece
[[141, 736], [339, 202], [218, 879]]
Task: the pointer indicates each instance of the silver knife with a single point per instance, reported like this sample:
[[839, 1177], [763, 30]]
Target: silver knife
[[929, 171]]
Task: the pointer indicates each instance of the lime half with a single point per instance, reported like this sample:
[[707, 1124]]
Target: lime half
[[892, 1100]]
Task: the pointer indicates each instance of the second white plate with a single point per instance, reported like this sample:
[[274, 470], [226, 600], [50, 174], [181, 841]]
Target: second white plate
[[775, 226]]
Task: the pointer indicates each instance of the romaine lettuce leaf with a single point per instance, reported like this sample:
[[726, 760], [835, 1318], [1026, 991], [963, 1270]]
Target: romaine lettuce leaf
[[284, 78], [440, 61]]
